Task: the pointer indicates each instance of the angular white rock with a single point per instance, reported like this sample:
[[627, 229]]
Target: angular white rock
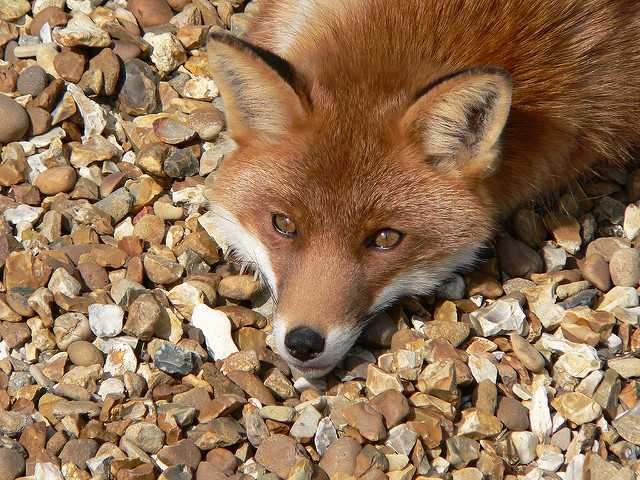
[[62, 282], [93, 116], [120, 360], [525, 444], [216, 328], [580, 361], [23, 214], [539, 413], [305, 427], [501, 317], [105, 320], [482, 368], [325, 435], [47, 471]]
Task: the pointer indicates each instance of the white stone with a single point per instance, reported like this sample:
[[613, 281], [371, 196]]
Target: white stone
[[190, 196], [200, 88], [47, 471], [482, 368], [105, 320], [541, 300], [624, 297], [185, 297], [501, 317], [579, 362], [23, 214], [39, 5], [46, 139], [525, 444], [575, 468], [113, 386], [589, 384], [550, 459], [631, 225], [120, 360], [401, 439], [62, 282], [306, 425], [554, 258], [539, 413], [216, 328], [93, 116], [325, 435], [168, 53], [124, 229], [81, 31]]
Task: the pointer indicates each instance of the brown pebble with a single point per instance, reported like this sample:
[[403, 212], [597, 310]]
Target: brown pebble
[[56, 180], [70, 65], [85, 354]]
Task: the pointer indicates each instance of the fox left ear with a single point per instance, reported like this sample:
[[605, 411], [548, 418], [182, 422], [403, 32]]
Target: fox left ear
[[459, 119], [262, 93]]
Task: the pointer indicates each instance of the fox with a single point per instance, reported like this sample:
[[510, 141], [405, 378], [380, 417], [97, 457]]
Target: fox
[[379, 145]]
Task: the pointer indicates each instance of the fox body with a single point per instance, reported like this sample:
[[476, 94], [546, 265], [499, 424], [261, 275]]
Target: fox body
[[380, 143]]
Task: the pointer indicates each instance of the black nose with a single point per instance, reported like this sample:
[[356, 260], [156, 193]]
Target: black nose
[[304, 344]]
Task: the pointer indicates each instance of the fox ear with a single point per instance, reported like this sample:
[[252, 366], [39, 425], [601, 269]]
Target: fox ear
[[458, 120], [262, 93]]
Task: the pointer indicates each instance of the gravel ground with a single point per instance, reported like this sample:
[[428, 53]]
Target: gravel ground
[[131, 350]]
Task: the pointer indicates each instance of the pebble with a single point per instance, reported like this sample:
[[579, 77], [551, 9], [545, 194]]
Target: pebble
[[278, 454], [518, 259], [216, 328], [105, 320], [340, 457], [502, 316], [577, 407], [56, 180], [146, 436], [84, 354], [120, 359], [12, 464], [527, 354], [16, 123], [173, 359], [513, 414], [625, 267], [151, 13]]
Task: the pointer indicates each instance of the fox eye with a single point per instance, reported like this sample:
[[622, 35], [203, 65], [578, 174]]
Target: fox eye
[[284, 225], [385, 239]]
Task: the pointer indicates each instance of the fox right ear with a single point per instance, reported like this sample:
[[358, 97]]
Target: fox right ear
[[262, 94], [459, 119]]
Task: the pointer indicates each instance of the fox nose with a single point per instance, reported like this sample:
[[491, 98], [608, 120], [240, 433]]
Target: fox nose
[[304, 343]]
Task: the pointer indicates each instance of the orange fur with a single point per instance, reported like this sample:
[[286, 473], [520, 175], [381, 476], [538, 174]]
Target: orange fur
[[337, 148]]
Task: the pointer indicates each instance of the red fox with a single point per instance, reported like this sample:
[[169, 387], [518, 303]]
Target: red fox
[[380, 143]]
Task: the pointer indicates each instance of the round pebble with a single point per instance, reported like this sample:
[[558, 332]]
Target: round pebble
[[85, 354], [56, 180], [32, 80], [625, 267], [15, 120]]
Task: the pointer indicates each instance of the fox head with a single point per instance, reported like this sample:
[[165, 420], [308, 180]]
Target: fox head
[[345, 203]]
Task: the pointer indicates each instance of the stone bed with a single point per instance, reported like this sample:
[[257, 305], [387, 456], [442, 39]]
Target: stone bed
[[132, 350]]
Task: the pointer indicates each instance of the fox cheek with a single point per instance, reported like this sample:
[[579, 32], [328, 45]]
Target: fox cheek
[[422, 279], [230, 234]]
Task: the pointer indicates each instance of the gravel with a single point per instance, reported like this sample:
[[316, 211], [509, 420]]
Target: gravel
[[131, 349]]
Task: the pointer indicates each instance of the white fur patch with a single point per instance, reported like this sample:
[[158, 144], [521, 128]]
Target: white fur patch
[[229, 233], [422, 281]]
